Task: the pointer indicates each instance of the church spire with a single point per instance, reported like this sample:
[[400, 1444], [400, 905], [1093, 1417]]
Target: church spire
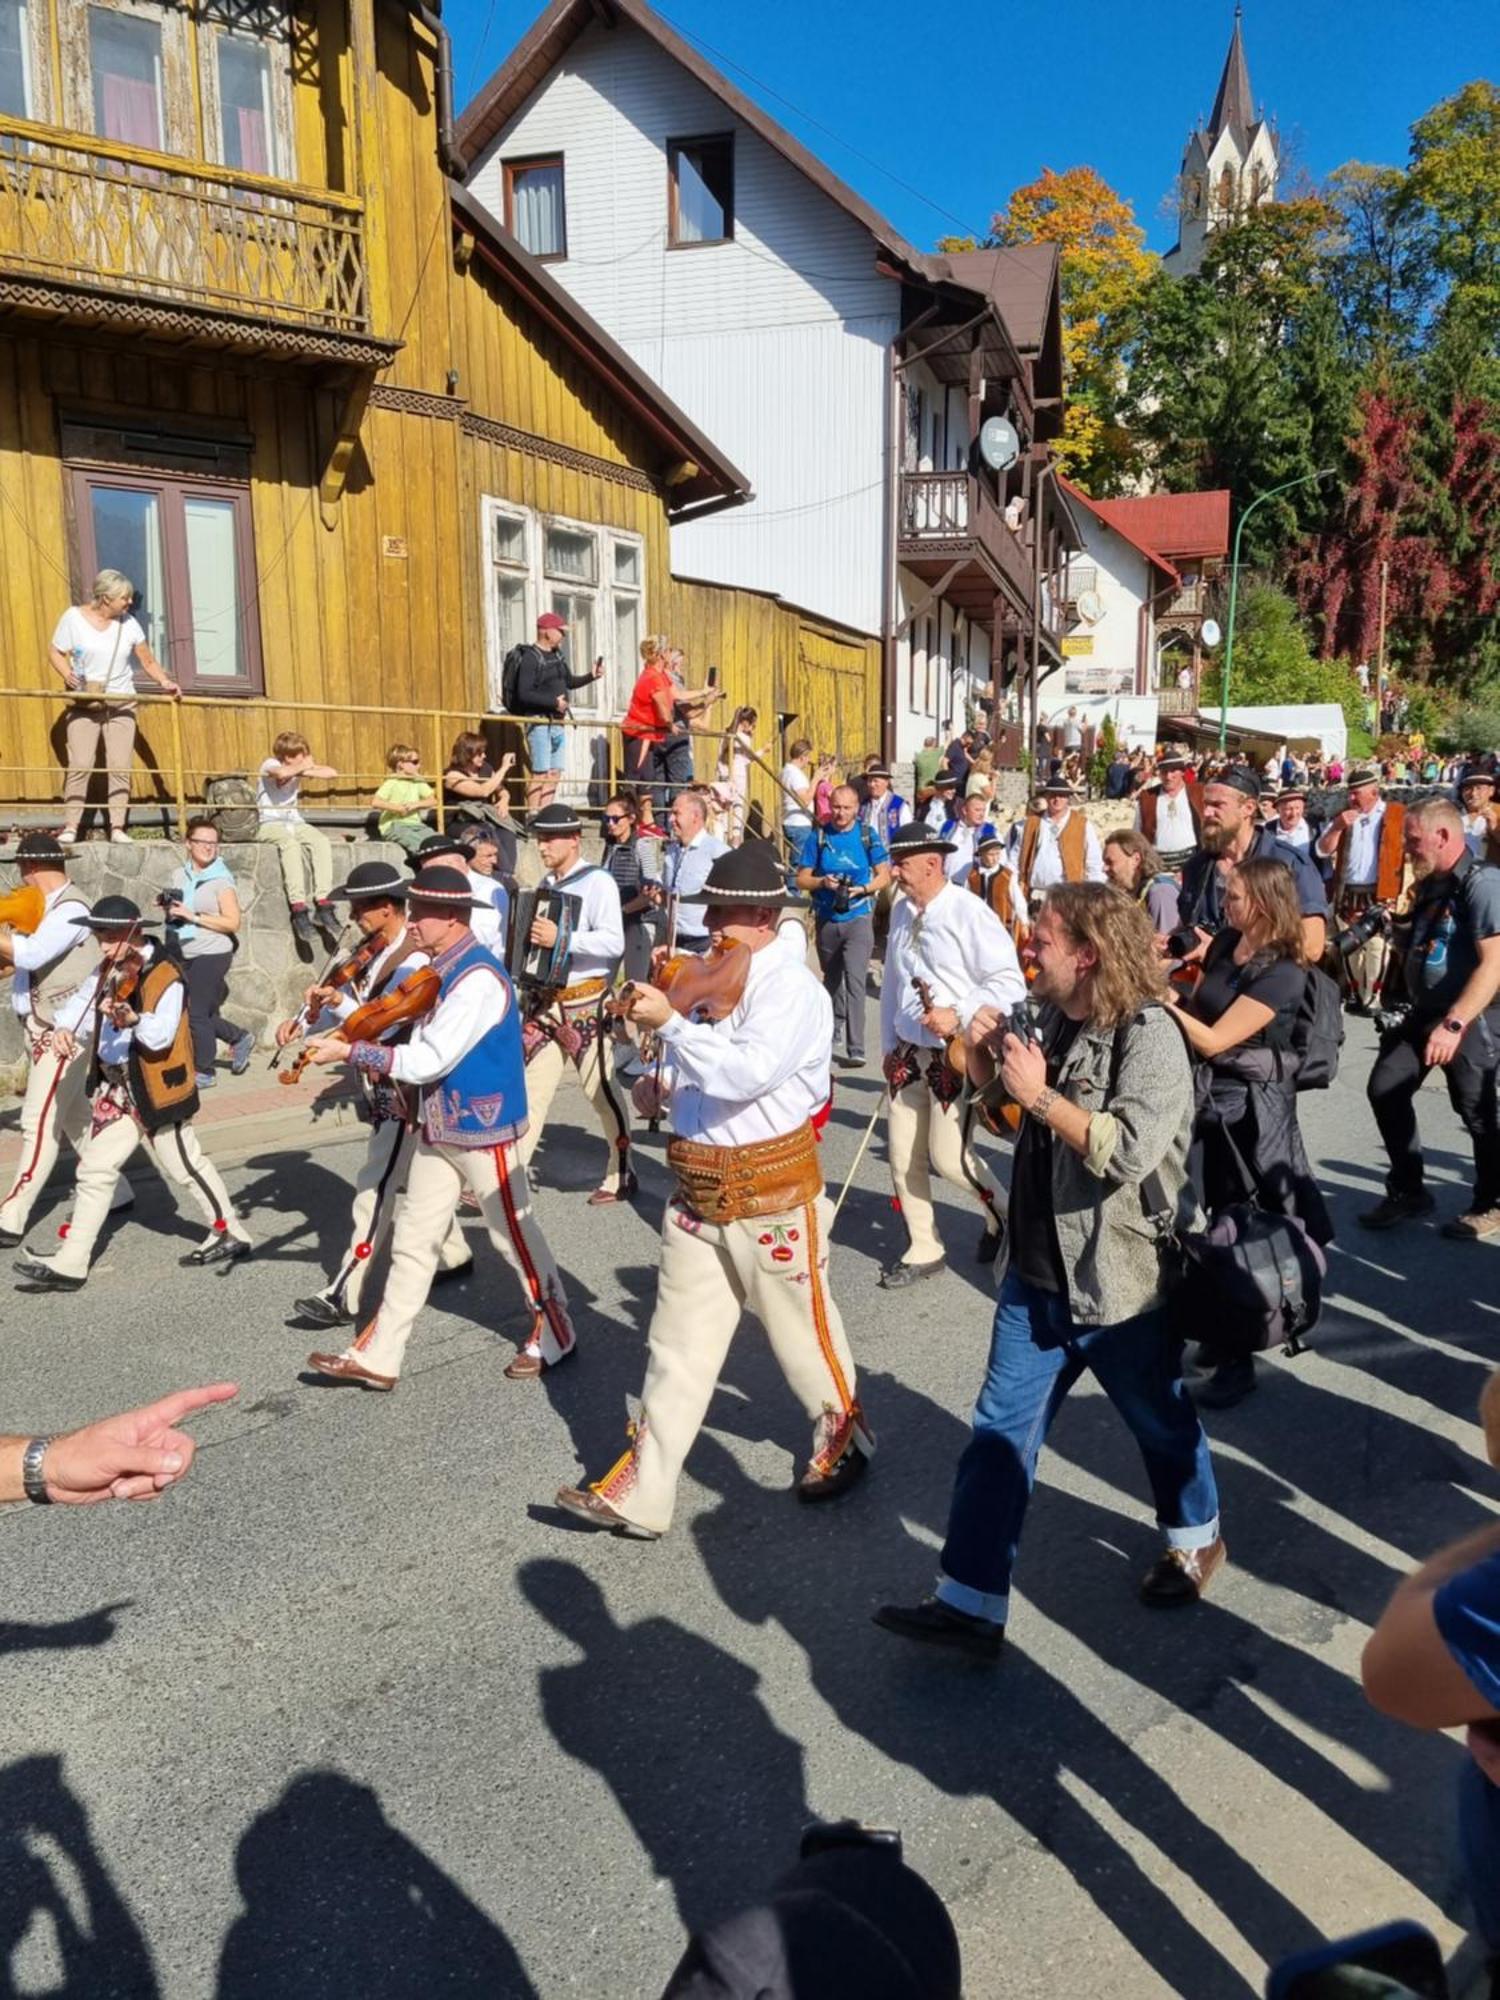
[[1234, 106]]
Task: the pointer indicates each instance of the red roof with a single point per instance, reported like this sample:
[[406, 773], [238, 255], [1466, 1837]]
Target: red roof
[[1121, 528], [1179, 525]]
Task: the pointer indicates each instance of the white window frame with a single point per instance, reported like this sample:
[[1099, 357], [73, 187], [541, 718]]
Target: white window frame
[[283, 147], [491, 509], [178, 135]]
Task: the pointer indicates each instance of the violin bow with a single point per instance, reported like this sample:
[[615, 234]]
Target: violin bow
[[301, 1013]]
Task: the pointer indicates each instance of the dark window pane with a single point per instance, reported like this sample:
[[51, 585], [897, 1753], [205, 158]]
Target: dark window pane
[[128, 537], [15, 59], [125, 55], [247, 138], [704, 176]]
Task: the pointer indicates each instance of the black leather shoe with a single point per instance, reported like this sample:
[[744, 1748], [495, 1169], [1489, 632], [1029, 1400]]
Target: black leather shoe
[[447, 1277], [1230, 1383], [9, 1238], [988, 1247], [303, 928], [37, 1271], [896, 1277], [319, 1311], [849, 1471], [934, 1623], [225, 1249]]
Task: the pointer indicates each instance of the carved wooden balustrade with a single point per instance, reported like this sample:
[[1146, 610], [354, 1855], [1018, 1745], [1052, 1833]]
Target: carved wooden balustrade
[[105, 218]]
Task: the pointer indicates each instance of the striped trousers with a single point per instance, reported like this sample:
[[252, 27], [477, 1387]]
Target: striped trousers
[[53, 1109], [177, 1157], [711, 1272], [435, 1179], [377, 1188]]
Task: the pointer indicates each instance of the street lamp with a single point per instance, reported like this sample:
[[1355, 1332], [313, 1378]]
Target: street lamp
[[1307, 478]]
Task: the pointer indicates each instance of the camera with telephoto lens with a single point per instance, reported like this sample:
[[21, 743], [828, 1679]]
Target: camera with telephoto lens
[[165, 898], [1375, 922]]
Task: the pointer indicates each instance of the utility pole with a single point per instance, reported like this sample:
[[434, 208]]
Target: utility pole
[[1385, 577]]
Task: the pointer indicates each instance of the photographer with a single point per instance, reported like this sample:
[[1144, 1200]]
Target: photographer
[[1100, 1172], [203, 913], [846, 868], [1240, 1020], [1452, 980], [1228, 836]]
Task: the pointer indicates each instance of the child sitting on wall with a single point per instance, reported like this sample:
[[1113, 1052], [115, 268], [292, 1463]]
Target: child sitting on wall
[[398, 797], [300, 847]]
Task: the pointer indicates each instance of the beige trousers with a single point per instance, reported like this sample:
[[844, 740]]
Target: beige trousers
[[435, 1179], [177, 1157], [926, 1139], [299, 847], [595, 1070], [777, 1266], [87, 728], [1364, 968], [54, 1109], [376, 1188]]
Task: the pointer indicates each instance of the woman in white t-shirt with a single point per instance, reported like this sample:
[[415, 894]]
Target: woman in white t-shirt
[[95, 651]]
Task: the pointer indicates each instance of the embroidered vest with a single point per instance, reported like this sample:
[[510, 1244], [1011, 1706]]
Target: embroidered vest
[[162, 1080], [1151, 799], [62, 976], [1071, 847], [482, 1099]]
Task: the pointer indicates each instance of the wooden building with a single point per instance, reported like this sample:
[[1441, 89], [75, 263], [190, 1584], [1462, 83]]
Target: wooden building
[[260, 351]]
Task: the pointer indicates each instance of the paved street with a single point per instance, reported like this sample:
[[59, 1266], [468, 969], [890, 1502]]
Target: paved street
[[354, 1713]]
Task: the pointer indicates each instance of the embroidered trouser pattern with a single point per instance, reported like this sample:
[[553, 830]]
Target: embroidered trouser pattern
[[54, 1108], [435, 1179], [579, 1037], [376, 1187], [777, 1267], [178, 1158], [927, 1138]]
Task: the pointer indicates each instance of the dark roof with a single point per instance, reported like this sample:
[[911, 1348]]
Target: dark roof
[[1234, 107], [716, 478], [1180, 525], [1021, 279]]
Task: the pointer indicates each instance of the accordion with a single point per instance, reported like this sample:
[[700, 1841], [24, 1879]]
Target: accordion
[[537, 971]]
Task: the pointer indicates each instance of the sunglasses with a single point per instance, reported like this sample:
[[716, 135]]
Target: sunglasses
[[617, 819]]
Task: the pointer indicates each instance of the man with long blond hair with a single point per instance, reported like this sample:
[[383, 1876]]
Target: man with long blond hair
[[1100, 1175]]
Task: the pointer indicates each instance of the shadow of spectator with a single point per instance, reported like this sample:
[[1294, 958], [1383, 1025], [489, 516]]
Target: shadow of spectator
[[91, 1628], [65, 1931], [340, 1905], [677, 1729]]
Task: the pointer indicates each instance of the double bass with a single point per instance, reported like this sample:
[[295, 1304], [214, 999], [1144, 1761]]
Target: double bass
[[413, 1000]]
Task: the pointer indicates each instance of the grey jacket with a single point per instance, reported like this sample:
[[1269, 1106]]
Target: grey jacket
[[1108, 1239]]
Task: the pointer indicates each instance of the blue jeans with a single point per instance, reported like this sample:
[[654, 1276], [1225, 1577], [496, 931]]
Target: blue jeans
[[545, 741], [1479, 1850], [1036, 1355]]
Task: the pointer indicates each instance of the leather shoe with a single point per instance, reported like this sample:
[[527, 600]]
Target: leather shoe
[[458, 1271], [9, 1238], [934, 1623], [526, 1367], [1230, 1383], [37, 1271], [1180, 1576], [597, 1512], [343, 1368], [896, 1277], [225, 1249], [850, 1469], [988, 1247], [321, 1311], [607, 1197]]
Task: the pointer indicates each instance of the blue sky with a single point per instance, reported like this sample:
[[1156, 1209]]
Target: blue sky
[[1055, 83]]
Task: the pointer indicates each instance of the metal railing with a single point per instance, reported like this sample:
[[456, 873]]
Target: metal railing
[[601, 760], [87, 211]]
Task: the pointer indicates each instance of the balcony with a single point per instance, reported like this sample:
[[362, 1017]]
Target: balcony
[[1187, 606], [100, 233], [950, 530]]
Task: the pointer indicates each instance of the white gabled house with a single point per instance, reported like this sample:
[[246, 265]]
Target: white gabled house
[[847, 371]]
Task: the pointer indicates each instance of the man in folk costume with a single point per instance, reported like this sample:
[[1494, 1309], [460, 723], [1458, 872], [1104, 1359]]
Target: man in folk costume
[[748, 1222], [1292, 823], [464, 1063], [571, 1028], [994, 883], [1167, 813], [376, 894], [1058, 844], [139, 1048], [1366, 845], [948, 955], [52, 990], [1481, 815]]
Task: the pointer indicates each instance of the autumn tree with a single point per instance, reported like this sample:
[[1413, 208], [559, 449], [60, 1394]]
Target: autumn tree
[[1103, 270], [1453, 183]]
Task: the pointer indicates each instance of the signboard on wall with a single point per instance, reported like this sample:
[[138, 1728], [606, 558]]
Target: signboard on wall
[[1099, 680], [1078, 646]]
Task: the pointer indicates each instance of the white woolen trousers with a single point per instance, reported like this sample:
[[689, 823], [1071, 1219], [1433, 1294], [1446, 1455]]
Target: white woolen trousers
[[177, 1157], [53, 1109], [926, 1138], [596, 1078], [377, 1185]]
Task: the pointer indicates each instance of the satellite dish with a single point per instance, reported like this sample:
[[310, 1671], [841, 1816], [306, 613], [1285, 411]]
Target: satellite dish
[[1210, 634], [999, 444], [1090, 606]]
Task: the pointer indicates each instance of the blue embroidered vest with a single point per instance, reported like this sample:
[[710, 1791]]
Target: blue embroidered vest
[[482, 1099]]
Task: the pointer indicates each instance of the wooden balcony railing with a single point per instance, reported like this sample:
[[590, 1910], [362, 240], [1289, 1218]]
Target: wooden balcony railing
[[87, 212], [943, 510], [1191, 601]]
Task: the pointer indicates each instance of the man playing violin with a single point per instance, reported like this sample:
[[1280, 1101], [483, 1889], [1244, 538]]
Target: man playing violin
[[748, 1221], [948, 955], [138, 1043], [385, 959], [463, 1061]]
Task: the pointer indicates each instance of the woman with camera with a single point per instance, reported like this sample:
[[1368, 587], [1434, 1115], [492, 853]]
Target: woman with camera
[[203, 910], [1240, 1021]]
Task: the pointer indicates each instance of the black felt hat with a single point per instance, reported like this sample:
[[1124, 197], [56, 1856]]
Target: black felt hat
[[434, 845], [374, 882], [553, 820], [116, 913], [748, 874], [917, 837], [38, 845], [1475, 774], [450, 887]]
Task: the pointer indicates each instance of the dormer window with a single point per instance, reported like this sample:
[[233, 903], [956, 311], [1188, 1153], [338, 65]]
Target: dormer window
[[535, 211], [700, 194]]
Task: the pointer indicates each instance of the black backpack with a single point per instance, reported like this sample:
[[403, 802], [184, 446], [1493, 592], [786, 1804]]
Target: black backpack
[[1318, 1031], [510, 679], [1251, 1281]]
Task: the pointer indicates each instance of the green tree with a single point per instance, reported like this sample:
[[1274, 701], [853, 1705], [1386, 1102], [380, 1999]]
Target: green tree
[[1274, 663], [1381, 270], [1453, 184]]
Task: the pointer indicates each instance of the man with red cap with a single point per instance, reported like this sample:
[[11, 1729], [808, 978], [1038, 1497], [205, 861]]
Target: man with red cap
[[464, 1063], [538, 682]]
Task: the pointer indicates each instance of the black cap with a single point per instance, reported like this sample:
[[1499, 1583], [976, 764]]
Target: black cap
[[1057, 788], [1475, 774], [553, 820], [450, 886], [115, 913], [373, 882], [917, 837], [1239, 778], [748, 874], [38, 845]]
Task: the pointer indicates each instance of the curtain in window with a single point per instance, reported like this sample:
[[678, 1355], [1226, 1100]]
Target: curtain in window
[[245, 105], [126, 58], [213, 583], [537, 209]]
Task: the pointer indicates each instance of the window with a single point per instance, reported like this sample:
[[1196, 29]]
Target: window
[[701, 190], [592, 577], [247, 124], [510, 585], [15, 59], [535, 213], [186, 541], [572, 555], [125, 59]]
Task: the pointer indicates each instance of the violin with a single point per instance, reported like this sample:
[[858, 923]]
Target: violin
[[958, 1055], [122, 985], [21, 909], [413, 1000], [356, 964], [707, 986]]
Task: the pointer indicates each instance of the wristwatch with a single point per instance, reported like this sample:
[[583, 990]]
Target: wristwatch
[[33, 1482], [1454, 1025]]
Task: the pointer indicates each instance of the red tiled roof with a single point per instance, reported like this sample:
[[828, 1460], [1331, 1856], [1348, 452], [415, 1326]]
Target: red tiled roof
[[1122, 528], [1179, 525]]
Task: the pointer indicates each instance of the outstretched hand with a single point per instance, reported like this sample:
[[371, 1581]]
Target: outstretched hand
[[135, 1456]]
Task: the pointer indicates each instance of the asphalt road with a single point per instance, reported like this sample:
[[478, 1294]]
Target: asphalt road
[[355, 1712]]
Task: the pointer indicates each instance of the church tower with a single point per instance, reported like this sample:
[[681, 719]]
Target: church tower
[[1229, 165]]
